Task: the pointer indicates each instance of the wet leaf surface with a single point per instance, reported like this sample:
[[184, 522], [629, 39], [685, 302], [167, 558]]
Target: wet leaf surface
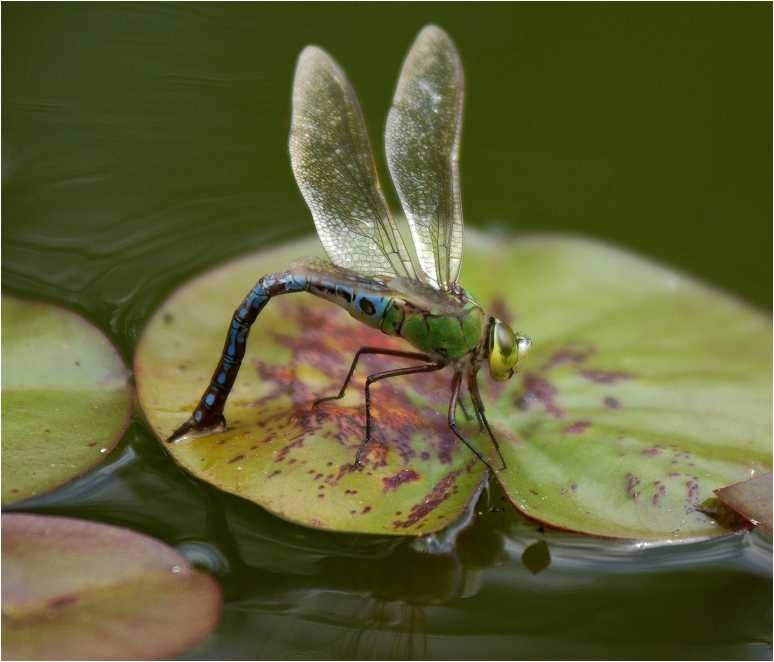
[[644, 392], [66, 399], [751, 499], [74, 589]]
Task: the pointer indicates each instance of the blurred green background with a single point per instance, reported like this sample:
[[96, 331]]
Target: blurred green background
[[144, 142]]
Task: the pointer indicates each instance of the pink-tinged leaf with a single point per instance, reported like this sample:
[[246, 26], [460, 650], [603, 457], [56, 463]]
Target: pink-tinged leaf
[[74, 589], [751, 499], [66, 397]]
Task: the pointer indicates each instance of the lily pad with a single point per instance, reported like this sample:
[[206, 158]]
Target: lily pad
[[644, 392], [279, 450], [751, 499], [66, 398], [78, 590]]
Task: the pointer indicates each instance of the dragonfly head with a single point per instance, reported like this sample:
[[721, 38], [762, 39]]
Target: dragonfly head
[[504, 349]]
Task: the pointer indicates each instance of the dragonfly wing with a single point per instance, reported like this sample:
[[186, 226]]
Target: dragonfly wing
[[334, 167], [420, 294], [422, 141], [325, 270]]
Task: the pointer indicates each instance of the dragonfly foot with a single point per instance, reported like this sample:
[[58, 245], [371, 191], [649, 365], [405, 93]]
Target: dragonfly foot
[[358, 463], [194, 427]]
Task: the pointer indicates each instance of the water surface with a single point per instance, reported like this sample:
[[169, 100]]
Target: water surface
[[144, 143]]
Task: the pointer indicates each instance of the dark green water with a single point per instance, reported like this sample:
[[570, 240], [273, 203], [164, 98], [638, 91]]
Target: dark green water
[[143, 143]]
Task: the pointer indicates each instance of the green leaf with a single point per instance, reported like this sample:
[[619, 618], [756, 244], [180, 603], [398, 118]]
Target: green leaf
[[644, 392], [751, 499], [281, 452], [66, 399], [74, 589]]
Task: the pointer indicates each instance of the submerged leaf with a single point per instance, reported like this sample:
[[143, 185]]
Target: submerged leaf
[[65, 397], [536, 557], [74, 589], [751, 499], [644, 392]]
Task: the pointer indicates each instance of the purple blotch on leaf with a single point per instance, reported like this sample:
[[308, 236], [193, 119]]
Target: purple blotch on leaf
[[578, 427], [605, 376], [398, 479]]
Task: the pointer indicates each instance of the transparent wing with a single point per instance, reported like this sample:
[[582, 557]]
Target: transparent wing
[[420, 294], [334, 167], [422, 140], [321, 268]]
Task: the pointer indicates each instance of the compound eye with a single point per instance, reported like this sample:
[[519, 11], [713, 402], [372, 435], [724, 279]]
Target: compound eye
[[504, 339], [503, 352]]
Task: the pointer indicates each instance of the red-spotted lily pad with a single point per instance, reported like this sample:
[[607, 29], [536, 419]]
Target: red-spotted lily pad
[[66, 398], [78, 590], [751, 499], [279, 450], [643, 393]]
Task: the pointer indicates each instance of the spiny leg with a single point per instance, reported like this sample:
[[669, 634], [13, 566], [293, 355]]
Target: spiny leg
[[452, 418], [479, 406], [410, 370], [370, 350]]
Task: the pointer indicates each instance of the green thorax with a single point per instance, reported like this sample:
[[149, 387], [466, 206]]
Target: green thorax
[[450, 333], [446, 325]]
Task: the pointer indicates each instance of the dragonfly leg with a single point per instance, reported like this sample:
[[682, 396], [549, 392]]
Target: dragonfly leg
[[478, 403], [370, 350], [476, 410], [410, 370], [455, 388], [464, 409]]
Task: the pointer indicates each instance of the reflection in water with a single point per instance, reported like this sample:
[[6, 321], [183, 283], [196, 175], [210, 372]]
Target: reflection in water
[[406, 639], [294, 592], [205, 556]]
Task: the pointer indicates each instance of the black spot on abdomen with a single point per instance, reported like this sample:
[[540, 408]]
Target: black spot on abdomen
[[367, 306], [344, 294]]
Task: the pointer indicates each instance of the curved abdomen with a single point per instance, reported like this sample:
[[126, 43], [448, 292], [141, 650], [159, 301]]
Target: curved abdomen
[[446, 337], [366, 304]]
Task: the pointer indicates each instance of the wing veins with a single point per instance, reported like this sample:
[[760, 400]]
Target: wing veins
[[334, 167], [422, 140]]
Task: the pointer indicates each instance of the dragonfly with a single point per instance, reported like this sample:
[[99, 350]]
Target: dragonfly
[[369, 271]]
